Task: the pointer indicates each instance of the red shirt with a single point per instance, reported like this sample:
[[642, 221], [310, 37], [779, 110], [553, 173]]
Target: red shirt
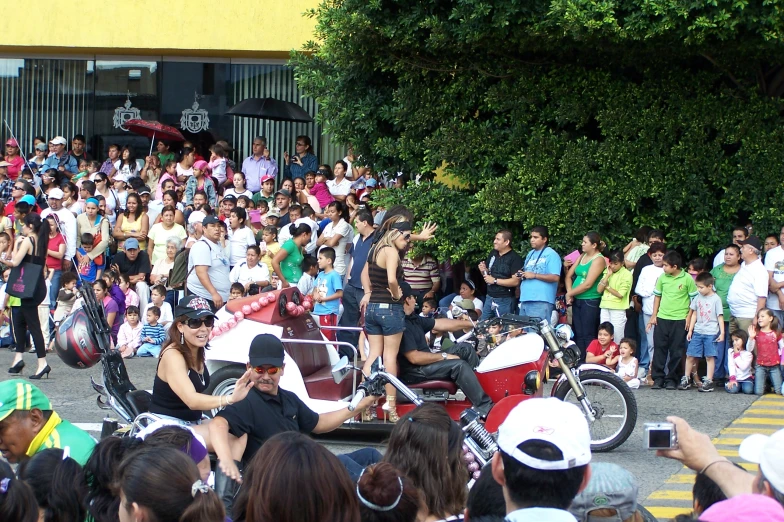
[[54, 244], [596, 349], [768, 344]]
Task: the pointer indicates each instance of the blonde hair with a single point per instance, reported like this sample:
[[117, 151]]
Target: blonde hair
[[388, 235]]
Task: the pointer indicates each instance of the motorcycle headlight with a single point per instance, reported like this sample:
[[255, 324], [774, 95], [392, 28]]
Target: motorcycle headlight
[[531, 382], [571, 354]]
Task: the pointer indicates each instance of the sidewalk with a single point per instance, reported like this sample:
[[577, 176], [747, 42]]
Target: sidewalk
[[765, 415]]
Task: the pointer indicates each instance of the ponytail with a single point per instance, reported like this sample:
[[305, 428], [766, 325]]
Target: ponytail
[[41, 229], [58, 484], [298, 230], [205, 507]]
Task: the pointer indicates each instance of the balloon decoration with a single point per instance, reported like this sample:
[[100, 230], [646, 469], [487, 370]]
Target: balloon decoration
[[265, 300]]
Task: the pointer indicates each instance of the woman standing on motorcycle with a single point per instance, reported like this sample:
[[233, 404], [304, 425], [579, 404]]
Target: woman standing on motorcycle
[[181, 377], [382, 306], [583, 293]]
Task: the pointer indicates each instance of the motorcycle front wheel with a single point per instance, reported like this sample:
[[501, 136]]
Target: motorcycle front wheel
[[614, 404]]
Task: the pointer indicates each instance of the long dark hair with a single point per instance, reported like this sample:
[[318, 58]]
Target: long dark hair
[[341, 208], [139, 206], [298, 230], [101, 501], [173, 341], [161, 479], [18, 501], [131, 158], [41, 229], [292, 478], [58, 485]]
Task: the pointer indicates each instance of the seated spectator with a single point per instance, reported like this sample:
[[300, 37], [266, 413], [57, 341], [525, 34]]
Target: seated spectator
[[426, 446], [135, 263], [129, 335], [611, 494], [323, 491], [467, 291], [386, 495], [160, 233], [164, 433], [543, 460], [741, 365], [112, 280], [250, 271], [200, 181], [153, 334], [237, 291], [58, 484], [110, 309], [18, 501], [131, 297], [627, 363], [429, 308], [603, 349], [163, 484], [157, 298]]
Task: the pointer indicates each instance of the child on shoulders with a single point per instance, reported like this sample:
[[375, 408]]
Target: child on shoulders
[[766, 338], [627, 363], [603, 349], [740, 364]]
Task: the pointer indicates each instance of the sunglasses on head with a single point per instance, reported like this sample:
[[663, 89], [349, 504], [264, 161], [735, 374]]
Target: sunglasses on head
[[273, 370], [195, 324]]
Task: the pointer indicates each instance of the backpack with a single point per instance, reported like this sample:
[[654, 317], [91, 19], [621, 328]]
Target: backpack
[[179, 271]]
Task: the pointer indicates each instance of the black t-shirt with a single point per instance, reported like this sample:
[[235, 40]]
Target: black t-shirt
[[414, 338], [503, 267], [141, 265], [262, 416]]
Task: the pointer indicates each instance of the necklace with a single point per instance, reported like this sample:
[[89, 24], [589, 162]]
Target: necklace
[[200, 376]]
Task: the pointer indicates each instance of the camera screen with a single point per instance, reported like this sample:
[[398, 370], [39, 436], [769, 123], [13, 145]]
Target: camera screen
[[659, 439]]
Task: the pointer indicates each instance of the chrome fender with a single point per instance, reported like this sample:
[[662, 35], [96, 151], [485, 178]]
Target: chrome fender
[[587, 366]]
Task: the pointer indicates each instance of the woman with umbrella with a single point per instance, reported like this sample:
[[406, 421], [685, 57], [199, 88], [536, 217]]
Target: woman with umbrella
[[302, 161]]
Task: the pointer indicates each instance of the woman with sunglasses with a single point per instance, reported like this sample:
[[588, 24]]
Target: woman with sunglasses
[[182, 377], [102, 188]]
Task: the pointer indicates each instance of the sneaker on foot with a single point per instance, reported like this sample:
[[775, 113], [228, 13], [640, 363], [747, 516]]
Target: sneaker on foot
[[642, 373], [707, 385], [684, 385]]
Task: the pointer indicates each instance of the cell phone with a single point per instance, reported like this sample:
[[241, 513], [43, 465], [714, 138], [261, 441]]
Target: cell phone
[[660, 435]]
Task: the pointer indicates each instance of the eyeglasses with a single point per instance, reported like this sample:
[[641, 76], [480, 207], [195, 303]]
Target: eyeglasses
[[407, 237], [300, 144], [272, 370], [19, 188], [195, 324]]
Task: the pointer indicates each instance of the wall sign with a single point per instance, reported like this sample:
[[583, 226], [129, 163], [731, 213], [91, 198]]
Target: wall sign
[[125, 113], [195, 119]]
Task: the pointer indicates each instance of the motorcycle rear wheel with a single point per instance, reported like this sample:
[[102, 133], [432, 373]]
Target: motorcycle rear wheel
[[614, 403]]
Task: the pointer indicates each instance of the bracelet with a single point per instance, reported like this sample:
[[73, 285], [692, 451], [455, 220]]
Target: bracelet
[[228, 400], [220, 402], [703, 470]]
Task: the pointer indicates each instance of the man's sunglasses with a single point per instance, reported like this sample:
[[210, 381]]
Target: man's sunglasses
[[195, 324], [273, 370]]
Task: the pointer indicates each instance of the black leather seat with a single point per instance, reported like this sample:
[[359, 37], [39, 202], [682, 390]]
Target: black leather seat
[[139, 401]]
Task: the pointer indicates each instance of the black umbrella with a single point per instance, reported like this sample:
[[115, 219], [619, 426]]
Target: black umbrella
[[270, 109]]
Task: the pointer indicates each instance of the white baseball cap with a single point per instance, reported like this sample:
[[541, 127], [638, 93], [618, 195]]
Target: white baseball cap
[[55, 193], [768, 452], [550, 420], [59, 140], [197, 216]]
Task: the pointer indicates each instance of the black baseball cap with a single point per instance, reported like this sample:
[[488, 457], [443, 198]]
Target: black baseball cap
[[266, 349], [406, 289], [230, 197], [753, 241], [283, 192], [210, 220], [193, 307]]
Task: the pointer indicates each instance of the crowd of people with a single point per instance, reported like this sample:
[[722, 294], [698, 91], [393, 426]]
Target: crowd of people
[[167, 241]]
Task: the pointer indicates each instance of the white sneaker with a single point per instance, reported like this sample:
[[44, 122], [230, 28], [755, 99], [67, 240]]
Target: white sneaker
[[642, 373]]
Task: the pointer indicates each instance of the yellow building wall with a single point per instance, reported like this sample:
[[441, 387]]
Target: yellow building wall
[[223, 28]]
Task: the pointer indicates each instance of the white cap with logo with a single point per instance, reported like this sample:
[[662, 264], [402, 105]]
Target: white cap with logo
[[768, 452], [59, 140], [550, 420]]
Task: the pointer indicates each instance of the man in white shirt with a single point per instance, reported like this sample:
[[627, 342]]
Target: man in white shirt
[[774, 264], [251, 271], [749, 289], [543, 460]]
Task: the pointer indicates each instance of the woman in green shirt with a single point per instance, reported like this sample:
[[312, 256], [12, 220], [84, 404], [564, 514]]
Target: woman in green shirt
[[287, 263], [583, 293]]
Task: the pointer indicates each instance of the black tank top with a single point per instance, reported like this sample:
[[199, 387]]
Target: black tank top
[[379, 283], [166, 402]]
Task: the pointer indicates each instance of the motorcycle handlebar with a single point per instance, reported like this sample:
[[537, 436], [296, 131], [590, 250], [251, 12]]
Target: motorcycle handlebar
[[357, 399]]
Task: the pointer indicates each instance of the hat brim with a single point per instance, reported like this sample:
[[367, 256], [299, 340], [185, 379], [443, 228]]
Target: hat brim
[[266, 361], [751, 447], [196, 314]]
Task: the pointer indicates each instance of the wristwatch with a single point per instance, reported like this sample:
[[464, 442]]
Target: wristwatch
[[443, 355], [495, 281]]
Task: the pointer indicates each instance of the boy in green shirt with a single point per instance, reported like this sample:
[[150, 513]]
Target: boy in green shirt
[[674, 291]]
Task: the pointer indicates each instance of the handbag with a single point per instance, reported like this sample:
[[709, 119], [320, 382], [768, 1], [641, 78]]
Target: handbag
[[24, 279]]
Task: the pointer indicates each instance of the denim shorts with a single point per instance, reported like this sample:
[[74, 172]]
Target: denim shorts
[[703, 345], [384, 319]]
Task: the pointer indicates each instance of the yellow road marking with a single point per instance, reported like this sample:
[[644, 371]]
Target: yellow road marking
[[668, 494], [728, 452], [764, 421], [682, 478], [749, 466], [748, 431], [760, 411], [726, 442], [667, 513]]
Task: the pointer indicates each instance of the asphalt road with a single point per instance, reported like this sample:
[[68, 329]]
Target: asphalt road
[[74, 399]]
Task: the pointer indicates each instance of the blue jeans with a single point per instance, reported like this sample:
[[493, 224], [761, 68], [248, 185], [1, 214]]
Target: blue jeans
[[384, 319], [761, 378], [585, 322], [149, 350], [351, 298], [722, 371], [505, 305], [643, 356], [358, 460], [540, 309], [746, 387], [54, 289]]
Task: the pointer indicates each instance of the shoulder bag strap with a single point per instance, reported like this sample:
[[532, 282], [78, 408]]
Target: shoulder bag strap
[[185, 283]]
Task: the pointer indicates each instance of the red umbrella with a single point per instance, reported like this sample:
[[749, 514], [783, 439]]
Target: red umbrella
[[153, 129]]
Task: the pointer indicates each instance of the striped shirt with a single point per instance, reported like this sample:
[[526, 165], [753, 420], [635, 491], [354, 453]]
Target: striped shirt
[[423, 276], [157, 333]]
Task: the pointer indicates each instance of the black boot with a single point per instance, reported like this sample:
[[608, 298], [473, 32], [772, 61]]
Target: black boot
[[226, 488]]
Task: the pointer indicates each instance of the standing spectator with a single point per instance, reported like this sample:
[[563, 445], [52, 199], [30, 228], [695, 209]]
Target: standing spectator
[[723, 275], [102, 188], [765, 340], [352, 291], [615, 287], [132, 224], [774, 264], [160, 233], [541, 273], [36, 162], [67, 225], [267, 192], [135, 263], [240, 236], [282, 203], [771, 242], [673, 293], [421, 273], [55, 254], [706, 332], [499, 273], [92, 222], [739, 234], [583, 293], [239, 187], [16, 162], [151, 172], [78, 151], [259, 167], [302, 161], [646, 284], [327, 292], [208, 266], [339, 187], [748, 292], [60, 160], [128, 166]]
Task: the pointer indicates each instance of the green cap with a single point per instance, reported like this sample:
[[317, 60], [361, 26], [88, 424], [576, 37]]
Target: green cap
[[19, 394]]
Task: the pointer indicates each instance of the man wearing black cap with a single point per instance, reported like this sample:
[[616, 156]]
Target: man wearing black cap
[[227, 205], [418, 363], [269, 410]]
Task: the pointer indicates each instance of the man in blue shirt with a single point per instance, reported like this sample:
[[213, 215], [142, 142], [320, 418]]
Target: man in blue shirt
[[61, 160], [353, 292], [539, 276]]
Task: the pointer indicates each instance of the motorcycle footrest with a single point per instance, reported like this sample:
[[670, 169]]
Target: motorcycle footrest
[[101, 404]]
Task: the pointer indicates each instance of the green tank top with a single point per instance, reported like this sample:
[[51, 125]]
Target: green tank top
[[581, 272]]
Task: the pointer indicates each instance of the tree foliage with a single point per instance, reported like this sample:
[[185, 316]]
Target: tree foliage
[[576, 114]]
